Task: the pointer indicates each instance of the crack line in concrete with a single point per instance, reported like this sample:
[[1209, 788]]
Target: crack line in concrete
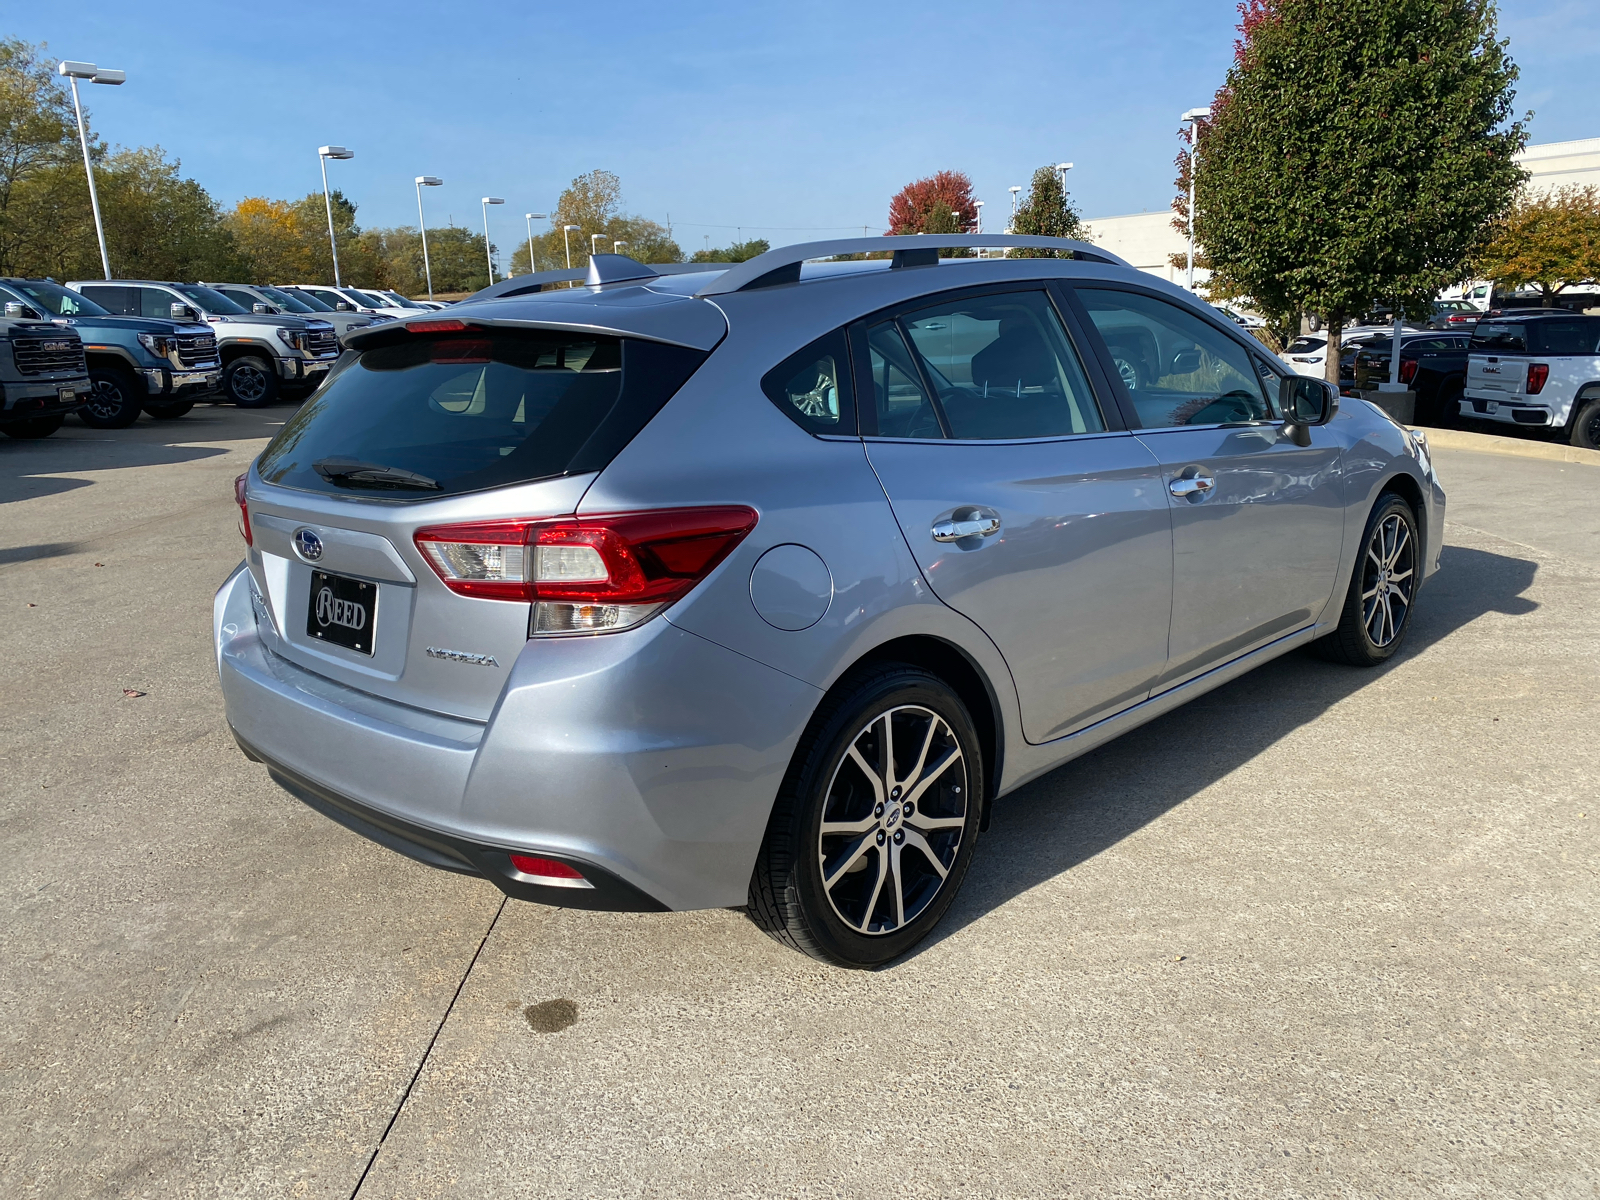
[[417, 1074]]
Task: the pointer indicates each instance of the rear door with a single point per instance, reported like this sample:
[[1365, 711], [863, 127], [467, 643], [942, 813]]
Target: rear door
[[1257, 519], [1027, 509], [119, 299]]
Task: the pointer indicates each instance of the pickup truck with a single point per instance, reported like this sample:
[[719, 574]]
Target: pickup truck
[[1539, 370], [136, 364], [262, 353], [42, 375], [1432, 364], [301, 304]]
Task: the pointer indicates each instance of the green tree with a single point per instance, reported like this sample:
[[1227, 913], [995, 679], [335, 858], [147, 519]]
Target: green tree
[[1047, 212], [1550, 241], [1357, 151], [37, 133], [736, 253], [593, 202]]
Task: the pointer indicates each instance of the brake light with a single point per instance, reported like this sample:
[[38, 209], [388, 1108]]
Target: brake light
[[449, 325], [587, 574], [1408, 370], [1537, 374], [546, 868], [244, 509]]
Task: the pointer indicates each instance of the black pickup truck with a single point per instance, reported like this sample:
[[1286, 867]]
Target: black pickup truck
[[1433, 365]]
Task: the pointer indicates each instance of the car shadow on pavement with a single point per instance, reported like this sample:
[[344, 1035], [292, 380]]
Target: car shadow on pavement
[[31, 469], [1052, 824]]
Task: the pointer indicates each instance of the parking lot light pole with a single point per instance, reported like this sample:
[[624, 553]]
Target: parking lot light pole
[[594, 243], [531, 218], [75, 71], [324, 153], [1062, 169], [1013, 189], [567, 242], [422, 224], [616, 247], [487, 253], [1192, 119]]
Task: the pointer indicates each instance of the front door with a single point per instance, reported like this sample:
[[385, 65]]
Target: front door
[[1026, 508], [1257, 519]]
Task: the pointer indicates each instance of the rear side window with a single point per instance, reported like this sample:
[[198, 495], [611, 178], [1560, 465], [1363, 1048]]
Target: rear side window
[[812, 386], [122, 301], [1577, 336], [1500, 338], [426, 417]]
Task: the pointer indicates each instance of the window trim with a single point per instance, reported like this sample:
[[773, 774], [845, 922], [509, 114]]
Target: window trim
[[867, 415], [1114, 381]]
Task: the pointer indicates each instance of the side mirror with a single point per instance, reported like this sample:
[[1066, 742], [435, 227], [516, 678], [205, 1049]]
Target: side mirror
[[344, 306], [1306, 402], [184, 312], [18, 311], [1185, 361], [258, 307]]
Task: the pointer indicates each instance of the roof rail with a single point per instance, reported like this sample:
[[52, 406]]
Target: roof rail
[[602, 269], [910, 250]]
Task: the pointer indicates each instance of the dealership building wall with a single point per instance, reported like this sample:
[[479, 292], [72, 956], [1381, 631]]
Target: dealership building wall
[[1148, 240]]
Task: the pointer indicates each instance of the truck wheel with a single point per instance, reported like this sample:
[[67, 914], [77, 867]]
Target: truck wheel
[[250, 382], [1586, 425], [874, 825], [38, 427], [1377, 608], [168, 410], [114, 399]]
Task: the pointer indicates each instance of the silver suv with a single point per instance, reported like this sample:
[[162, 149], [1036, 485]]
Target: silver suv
[[757, 585], [262, 353]]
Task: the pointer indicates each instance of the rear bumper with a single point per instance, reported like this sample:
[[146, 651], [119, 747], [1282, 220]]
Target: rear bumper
[[1507, 412], [649, 760]]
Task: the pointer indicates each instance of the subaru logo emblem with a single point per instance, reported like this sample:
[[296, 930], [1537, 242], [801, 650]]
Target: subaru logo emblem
[[307, 545]]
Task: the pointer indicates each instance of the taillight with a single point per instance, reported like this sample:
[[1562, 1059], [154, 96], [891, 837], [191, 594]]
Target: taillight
[[244, 509], [1408, 370], [586, 574], [1537, 374]]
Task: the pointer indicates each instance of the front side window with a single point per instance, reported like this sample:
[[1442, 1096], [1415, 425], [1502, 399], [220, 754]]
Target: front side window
[[1578, 335], [1003, 368], [327, 295], [158, 302], [904, 409], [306, 301], [1178, 369], [812, 386]]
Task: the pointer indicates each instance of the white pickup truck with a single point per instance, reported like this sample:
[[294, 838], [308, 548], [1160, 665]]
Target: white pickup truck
[[1540, 370]]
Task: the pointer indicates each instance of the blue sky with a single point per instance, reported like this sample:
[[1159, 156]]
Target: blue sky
[[789, 122]]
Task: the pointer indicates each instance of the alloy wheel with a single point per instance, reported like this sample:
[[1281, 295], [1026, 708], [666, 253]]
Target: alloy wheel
[[893, 819], [105, 401], [247, 384], [1388, 579]]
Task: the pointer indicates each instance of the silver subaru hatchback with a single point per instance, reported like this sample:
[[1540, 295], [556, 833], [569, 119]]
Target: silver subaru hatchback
[[650, 589]]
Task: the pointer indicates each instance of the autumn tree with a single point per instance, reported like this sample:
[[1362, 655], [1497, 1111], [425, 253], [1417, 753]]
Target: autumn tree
[[1550, 240], [1357, 151], [911, 208], [1047, 212]]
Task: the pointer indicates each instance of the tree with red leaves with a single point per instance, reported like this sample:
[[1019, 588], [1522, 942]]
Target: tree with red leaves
[[941, 199]]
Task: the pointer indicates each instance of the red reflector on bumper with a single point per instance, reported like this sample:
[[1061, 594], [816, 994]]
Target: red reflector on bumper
[[549, 868]]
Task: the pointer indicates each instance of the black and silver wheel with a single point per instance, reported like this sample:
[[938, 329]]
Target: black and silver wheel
[[168, 410], [33, 428], [1377, 610], [1586, 425], [874, 828], [115, 400], [250, 382]]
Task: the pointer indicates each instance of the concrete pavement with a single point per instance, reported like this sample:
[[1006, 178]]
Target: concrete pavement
[[1321, 933]]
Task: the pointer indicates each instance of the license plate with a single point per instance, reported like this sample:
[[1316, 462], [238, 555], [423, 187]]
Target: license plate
[[1493, 406], [65, 395], [342, 611]]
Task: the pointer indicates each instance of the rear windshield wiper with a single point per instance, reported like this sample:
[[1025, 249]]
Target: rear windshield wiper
[[350, 471]]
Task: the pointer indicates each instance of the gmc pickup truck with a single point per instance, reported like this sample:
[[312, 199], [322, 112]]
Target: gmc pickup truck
[[42, 375], [1539, 370]]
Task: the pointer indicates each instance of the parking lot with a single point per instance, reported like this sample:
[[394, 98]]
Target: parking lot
[[1322, 932]]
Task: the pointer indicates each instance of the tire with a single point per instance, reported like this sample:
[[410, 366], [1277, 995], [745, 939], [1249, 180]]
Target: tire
[[1383, 587], [168, 410], [1586, 425], [115, 399], [37, 427], [889, 889], [250, 382], [1448, 410]]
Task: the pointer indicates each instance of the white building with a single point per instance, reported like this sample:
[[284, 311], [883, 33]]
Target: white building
[[1148, 240]]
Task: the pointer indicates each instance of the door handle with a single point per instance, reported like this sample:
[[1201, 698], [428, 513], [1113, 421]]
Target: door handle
[[1194, 487], [955, 531]]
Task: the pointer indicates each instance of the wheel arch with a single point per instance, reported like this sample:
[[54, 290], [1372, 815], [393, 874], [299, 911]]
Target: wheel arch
[[232, 351], [109, 358], [969, 681], [1409, 490]]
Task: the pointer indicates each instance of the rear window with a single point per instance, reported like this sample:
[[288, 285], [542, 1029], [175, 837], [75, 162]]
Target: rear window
[[1305, 345], [1496, 337], [437, 416]]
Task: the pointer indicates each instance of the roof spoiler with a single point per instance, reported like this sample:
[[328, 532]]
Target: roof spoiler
[[602, 269], [910, 250]]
